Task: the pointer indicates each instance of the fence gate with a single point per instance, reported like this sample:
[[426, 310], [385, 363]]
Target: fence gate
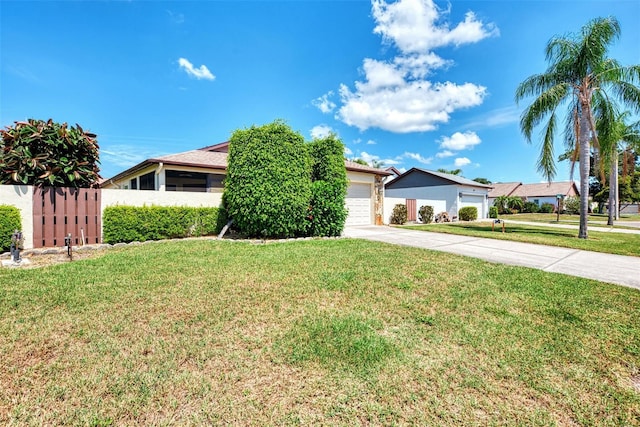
[[412, 210], [60, 211]]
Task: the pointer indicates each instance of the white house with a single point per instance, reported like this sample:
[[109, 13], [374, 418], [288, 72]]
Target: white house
[[445, 192]]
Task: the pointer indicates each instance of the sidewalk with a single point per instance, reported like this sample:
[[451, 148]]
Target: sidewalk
[[604, 228], [618, 269]]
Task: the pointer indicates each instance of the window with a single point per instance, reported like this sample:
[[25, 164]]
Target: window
[[148, 181], [133, 184], [186, 181]]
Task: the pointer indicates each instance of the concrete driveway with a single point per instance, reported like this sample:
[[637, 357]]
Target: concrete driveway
[[618, 269]]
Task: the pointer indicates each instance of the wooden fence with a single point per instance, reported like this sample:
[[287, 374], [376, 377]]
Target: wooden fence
[[60, 211]]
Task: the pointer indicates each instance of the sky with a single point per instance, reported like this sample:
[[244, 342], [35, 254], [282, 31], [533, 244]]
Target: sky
[[411, 83]]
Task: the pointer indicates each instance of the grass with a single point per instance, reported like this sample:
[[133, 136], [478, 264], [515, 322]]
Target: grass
[[329, 332], [595, 220], [606, 242]]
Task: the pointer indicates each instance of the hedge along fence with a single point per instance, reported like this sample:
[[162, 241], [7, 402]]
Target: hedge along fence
[[124, 224], [9, 222]]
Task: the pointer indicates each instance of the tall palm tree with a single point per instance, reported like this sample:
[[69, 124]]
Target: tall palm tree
[[579, 72], [612, 133]]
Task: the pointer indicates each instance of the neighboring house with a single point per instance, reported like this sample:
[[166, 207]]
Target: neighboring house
[[540, 193], [204, 170], [445, 192]]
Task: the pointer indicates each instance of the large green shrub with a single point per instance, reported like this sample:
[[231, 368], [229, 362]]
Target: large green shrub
[[426, 214], [547, 208], [571, 205], [399, 214], [10, 221], [530, 207], [468, 213], [327, 213], [493, 212], [129, 223], [268, 185], [40, 153]]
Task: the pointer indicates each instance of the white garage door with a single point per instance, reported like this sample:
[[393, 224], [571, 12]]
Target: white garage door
[[472, 200], [358, 202]]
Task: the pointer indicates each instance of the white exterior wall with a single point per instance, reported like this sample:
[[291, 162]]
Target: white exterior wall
[[391, 202], [473, 191], [443, 198], [113, 197], [20, 196]]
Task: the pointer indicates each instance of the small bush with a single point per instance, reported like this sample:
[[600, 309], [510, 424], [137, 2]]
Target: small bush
[[129, 224], [572, 205], [426, 214], [493, 212], [399, 214], [547, 208], [10, 221], [468, 213], [530, 207], [442, 217]]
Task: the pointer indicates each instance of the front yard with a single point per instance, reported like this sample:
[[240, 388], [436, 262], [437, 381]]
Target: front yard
[[332, 332]]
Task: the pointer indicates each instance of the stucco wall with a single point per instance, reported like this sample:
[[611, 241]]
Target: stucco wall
[[391, 202], [443, 198], [111, 197], [20, 196]]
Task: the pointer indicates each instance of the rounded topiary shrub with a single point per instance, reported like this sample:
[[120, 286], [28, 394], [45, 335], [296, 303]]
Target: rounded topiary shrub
[[426, 214], [493, 212], [399, 214], [468, 213], [268, 183]]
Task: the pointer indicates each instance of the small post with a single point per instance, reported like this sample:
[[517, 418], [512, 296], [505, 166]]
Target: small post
[[558, 198], [17, 243], [68, 244]]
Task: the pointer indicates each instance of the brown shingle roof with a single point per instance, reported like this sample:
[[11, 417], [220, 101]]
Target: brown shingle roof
[[196, 158], [503, 188], [547, 189]]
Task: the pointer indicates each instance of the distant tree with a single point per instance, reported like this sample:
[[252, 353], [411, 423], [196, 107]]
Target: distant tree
[[360, 162], [579, 74], [377, 164], [451, 172], [268, 185], [482, 180], [41, 153]]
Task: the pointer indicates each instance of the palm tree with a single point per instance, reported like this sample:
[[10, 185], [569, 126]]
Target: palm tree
[[613, 132], [579, 73]]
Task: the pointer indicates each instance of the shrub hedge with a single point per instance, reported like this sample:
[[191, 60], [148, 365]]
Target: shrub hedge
[[547, 208], [530, 207], [426, 214], [268, 186], [10, 221], [124, 224], [493, 212], [399, 214], [468, 213]]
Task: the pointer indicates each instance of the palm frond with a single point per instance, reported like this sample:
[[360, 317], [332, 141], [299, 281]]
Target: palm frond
[[546, 163]]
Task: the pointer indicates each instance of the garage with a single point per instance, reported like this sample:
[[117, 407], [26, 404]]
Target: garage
[[358, 202], [473, 200]]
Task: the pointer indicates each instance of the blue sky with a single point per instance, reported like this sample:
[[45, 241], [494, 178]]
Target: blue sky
[[411, 83]]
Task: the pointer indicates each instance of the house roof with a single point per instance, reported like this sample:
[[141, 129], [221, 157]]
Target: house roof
[[503, 188], [447, 176], [546, 189], [215, 157]]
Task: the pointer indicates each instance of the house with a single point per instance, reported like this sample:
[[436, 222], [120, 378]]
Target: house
[[445, 192], [546, 192], [204, 170]]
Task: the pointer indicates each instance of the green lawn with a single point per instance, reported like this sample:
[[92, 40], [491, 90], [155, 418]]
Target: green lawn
[[315, 332], [607, 242], [595, 220]]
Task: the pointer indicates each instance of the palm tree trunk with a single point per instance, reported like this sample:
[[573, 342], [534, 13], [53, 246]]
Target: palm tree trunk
[[616, 192], [585, 160], [612, 196]]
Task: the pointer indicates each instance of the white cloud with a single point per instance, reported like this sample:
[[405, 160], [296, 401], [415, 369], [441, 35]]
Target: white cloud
[[395, 94], [462, 161], [323, 103], [357, 141], [496, 118], [445, 153], [371, 142], [371, 158], [199, 73], [460, 141], [417, 26], [321, 131], [412, 106], [347, 151], [419, 158]]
